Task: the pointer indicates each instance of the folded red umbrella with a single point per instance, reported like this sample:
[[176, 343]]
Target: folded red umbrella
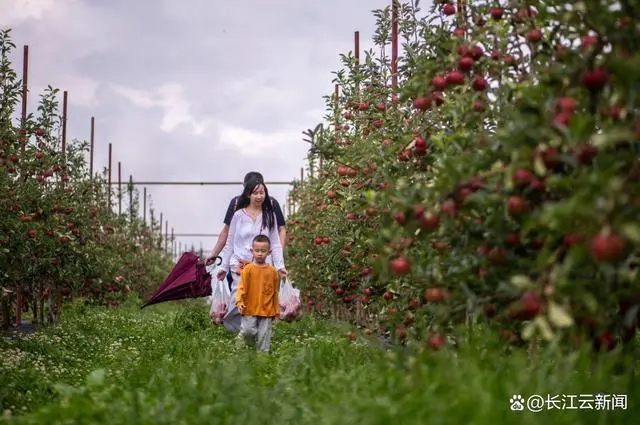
[[188, 279]]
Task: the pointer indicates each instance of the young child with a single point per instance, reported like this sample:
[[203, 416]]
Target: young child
[[257, 295]]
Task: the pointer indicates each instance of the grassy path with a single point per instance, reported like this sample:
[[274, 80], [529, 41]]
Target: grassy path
[[167, 365]]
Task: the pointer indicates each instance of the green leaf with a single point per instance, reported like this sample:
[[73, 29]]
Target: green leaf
[[370, 195], [558, 316], [631, 231], [611, 138], [508, 180], [545, 330], [521, 281], [538, 167], [528, 330]]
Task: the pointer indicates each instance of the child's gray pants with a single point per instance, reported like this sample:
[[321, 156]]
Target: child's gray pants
[[254, 327]]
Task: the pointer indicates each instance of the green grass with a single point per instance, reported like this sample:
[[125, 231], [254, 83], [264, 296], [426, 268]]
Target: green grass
[[168, 365]]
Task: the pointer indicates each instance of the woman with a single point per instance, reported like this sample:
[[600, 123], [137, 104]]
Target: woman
[[253, 217]]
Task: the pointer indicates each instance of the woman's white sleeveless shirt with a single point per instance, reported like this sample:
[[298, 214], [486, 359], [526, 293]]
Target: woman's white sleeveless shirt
[[241, 233]]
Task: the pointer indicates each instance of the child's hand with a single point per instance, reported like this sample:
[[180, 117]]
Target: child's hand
[[242, 308], [283, 272]]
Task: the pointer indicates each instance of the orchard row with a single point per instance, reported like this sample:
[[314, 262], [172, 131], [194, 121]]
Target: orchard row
[[59, 237], [497, 182]]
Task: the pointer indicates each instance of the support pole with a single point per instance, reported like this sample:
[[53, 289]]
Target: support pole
[[93, 128]]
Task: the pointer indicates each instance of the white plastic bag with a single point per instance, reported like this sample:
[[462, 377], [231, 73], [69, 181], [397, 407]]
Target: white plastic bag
[[220, 300], [289, 300]]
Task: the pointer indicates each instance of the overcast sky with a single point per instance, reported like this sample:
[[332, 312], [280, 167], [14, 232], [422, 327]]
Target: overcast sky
[[194, 90]]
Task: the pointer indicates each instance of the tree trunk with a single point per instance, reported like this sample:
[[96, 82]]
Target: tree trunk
[[40, 298], [6, 313], [19, 305], [34, 305]]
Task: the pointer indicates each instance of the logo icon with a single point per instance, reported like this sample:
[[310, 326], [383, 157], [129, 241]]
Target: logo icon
[[516, 403]]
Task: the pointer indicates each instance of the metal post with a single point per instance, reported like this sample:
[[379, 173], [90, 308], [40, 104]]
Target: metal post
[[195, 183], [119, 188], [394, 46], [25, 92], [160, 240], [130, 189], [65, 99], [144, 207], [166, 236], [356, 46], [336, 103], [93, 128], [109, 188], [150, 234]]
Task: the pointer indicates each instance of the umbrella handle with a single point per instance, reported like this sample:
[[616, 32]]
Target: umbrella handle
[[218, 260]]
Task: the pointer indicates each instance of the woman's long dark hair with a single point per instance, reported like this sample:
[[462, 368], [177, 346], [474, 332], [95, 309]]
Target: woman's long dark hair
[[268, 220]]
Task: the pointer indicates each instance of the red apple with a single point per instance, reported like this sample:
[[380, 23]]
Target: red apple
[[605, 247], [465, 63], [516, 205], [435, 295], [439, 82], [430, 221], [449, 207], [455, 78], [399, 217], [567, 104], [534, 35], [449, 9], [522, 177], [479, 84], [585, 153], [422, 103], [596, 78], [436, 342], [496, 255], [400, 265]]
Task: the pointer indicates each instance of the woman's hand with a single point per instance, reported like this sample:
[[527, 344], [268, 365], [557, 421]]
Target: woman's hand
[[221, 275], [241, 264], [283, 272]]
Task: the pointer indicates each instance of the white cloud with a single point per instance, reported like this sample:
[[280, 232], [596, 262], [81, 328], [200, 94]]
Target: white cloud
[[17, 11], [254, 143], [170, 98]]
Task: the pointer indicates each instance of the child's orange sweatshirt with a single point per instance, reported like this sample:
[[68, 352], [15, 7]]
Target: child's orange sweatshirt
[[258, 290]]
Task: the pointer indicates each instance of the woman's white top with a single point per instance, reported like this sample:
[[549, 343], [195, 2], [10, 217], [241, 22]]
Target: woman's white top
[[241, 233]]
